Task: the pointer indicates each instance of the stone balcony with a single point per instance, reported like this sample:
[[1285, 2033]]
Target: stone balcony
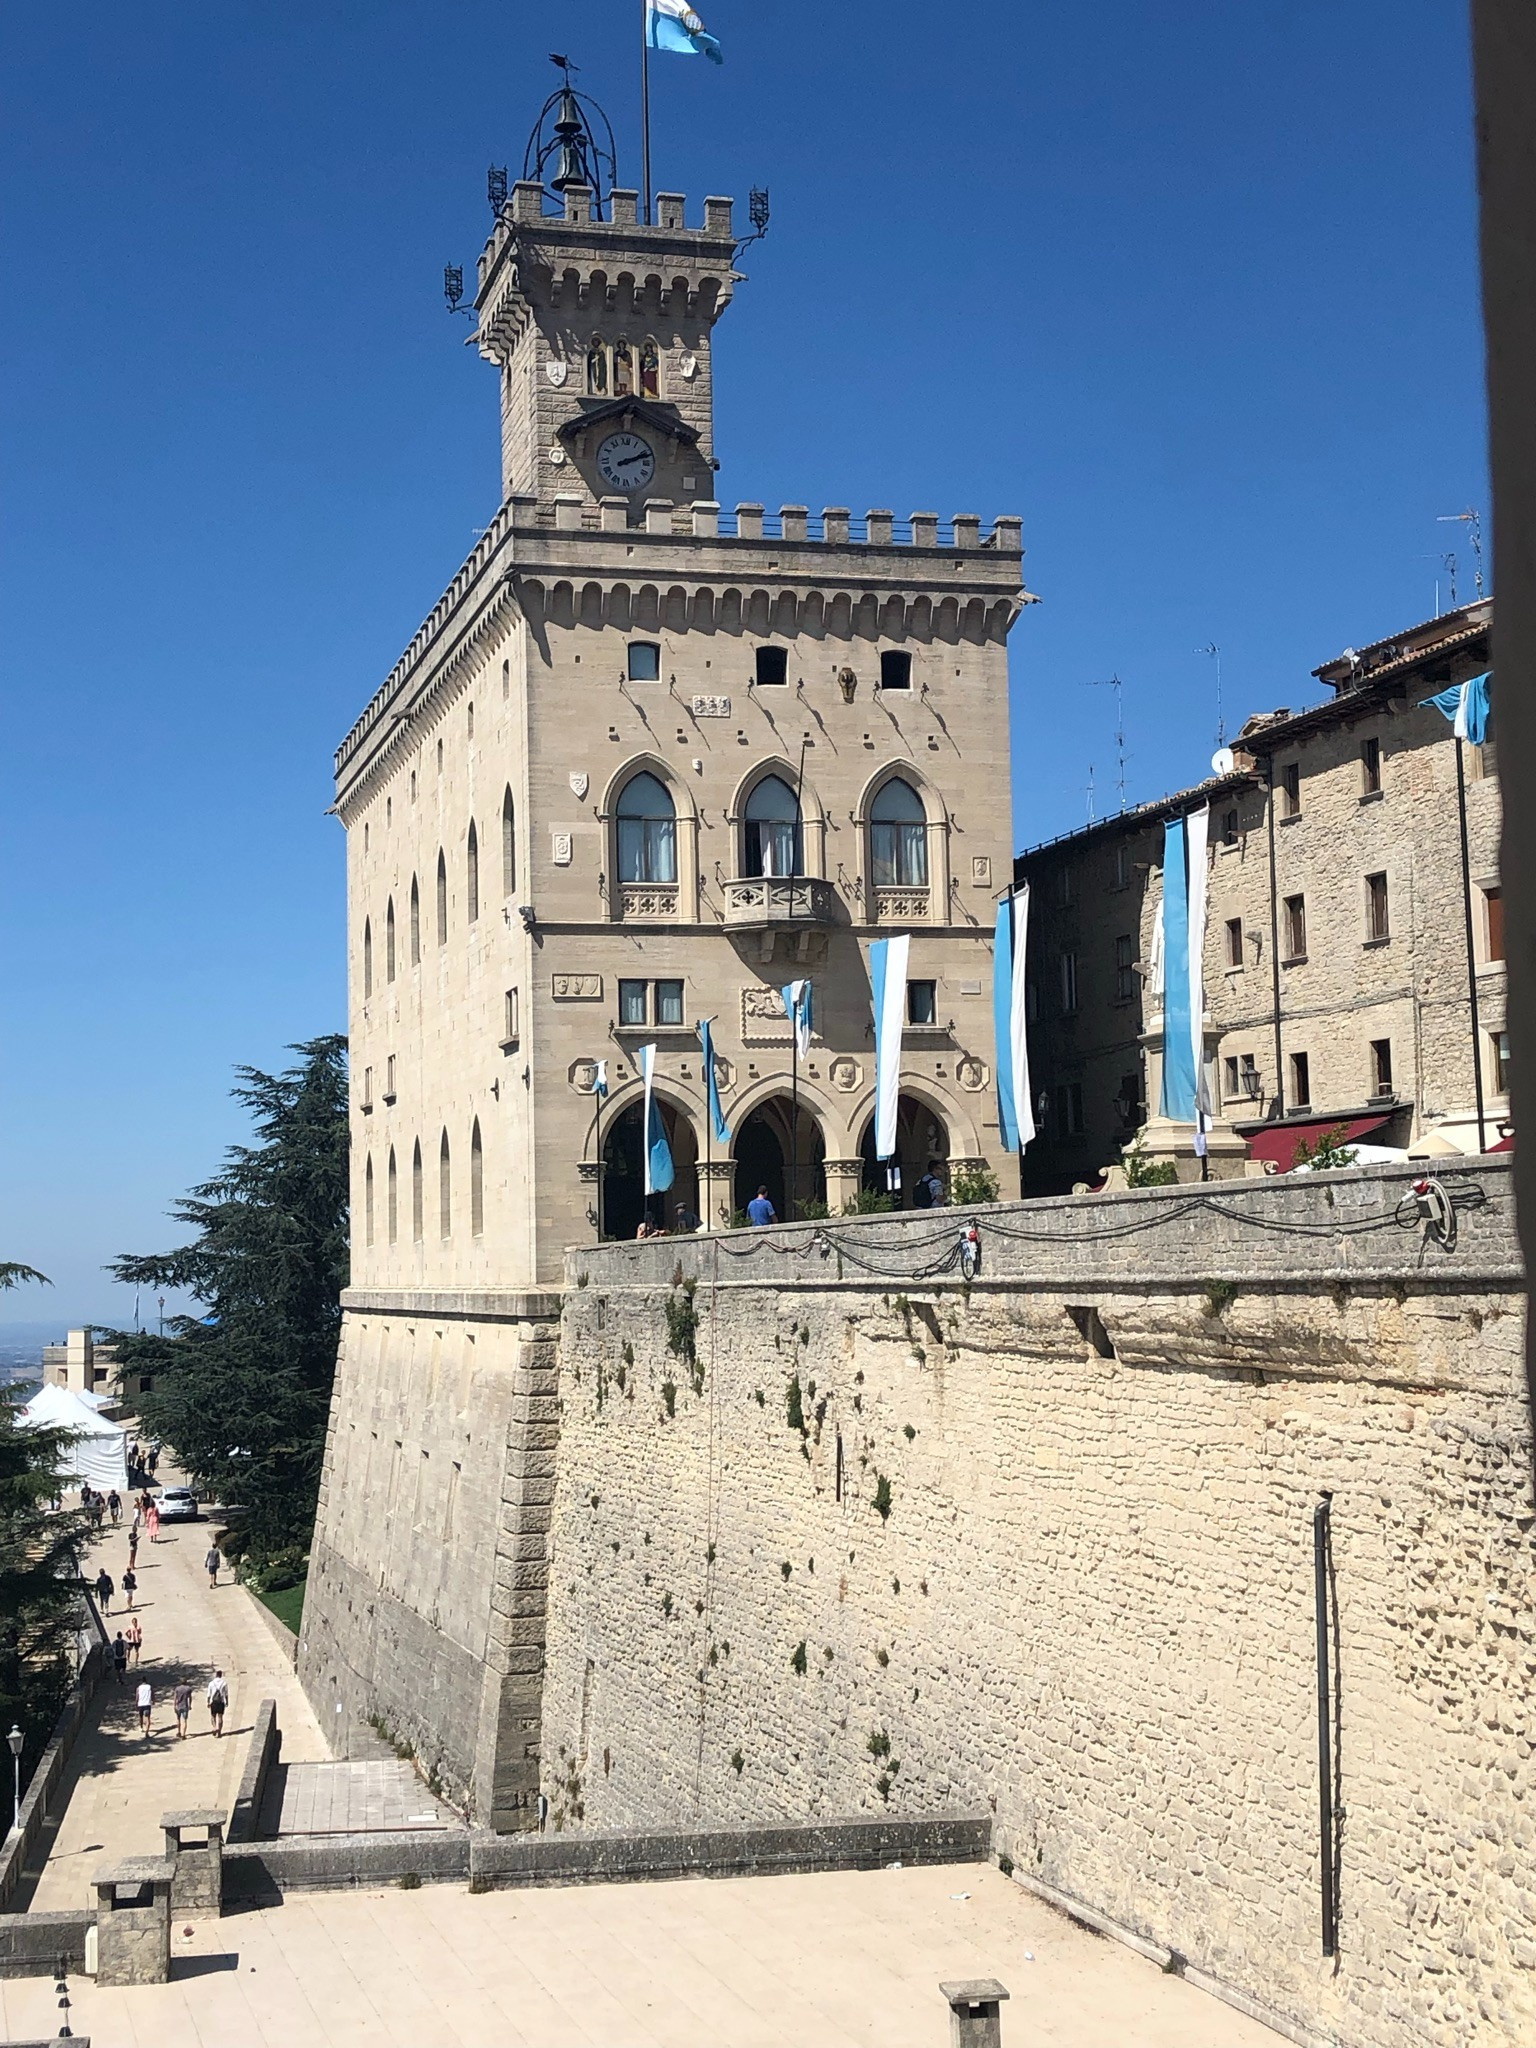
[[764, 903]]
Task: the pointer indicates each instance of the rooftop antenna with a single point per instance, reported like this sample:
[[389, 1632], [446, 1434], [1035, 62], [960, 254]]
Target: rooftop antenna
[[1214, 652], [1472, 520], [1114, 683], [1092, 812], [1448, 563]]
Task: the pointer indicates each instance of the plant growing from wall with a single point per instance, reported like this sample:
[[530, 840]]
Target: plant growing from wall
[[1331, 1150], [797, 1662], [683, 1330], [1142, 1172], [794, 1405], [669, 1397], [970, 1184], [882, 1500], [1219, 1296]]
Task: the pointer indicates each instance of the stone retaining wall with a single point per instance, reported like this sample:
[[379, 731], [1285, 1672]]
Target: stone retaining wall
[[838, 1530], [48, 1773]]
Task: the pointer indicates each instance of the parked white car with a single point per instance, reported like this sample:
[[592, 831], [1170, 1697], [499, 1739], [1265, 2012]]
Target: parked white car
[[179, 1504]]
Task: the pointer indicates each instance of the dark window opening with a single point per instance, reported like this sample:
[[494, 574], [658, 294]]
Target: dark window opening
[[644, 661], [1370, 767], [1381, 1066], [1290, 790], [1125, 968], [1493, 902], [669, 1002], [632, 1002], [1234, 942], [922, 1002], [1229, 829], [1301, 1081], [1377, 921], [895, 669], [1296, 927], [772, 665]]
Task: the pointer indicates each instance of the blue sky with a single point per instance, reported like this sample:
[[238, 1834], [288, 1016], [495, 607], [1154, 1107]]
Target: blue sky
[[1191, 287]]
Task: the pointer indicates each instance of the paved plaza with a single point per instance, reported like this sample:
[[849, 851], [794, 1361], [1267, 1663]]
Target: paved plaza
[[118, 1785], [849, 1960], [351, 1798]]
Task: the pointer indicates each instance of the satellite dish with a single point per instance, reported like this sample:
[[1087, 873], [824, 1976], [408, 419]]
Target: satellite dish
[[1223, 761]]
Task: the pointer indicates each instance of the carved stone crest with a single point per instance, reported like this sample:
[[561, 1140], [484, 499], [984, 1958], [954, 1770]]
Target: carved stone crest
[[981, 870], [971, 1074], [561, 849], [845, 1074], [576, 988], [557, 373], [578, 782], [689, 366]]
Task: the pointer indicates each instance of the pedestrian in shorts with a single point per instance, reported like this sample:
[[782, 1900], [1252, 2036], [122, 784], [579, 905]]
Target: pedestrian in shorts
[[218, 1700], [146, 1698], [181, 1700]]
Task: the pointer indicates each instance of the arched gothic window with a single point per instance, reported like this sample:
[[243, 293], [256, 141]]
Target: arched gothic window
[[774, 840], [476, 1182], [368, 1200], [442, 899], [392, 1197], [623, 369], [650, 370], [415, 923], [472, 872], [898, 837], [647, 831], [597, 369], [418, 1216], [367, 957], [389, 940], [508, 843], [444, 1190]]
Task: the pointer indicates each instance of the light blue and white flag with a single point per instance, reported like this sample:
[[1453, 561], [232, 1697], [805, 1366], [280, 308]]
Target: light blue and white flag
[[658, 1153], [1466, 705], [796, 998], [1015, 1106], [717, 1122], [888, 982], [1186, 1091], [600, 1079], [673, 25]]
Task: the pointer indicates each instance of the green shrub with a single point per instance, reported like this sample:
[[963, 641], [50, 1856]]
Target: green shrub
[[1142, 1172], [969, 1184], [869, 1202]]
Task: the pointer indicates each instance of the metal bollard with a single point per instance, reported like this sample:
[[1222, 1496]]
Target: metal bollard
[[975, 2015]]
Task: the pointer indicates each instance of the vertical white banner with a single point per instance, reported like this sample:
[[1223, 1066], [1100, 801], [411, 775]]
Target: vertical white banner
[[1023, 1100], [1197, 828], [888, 964]]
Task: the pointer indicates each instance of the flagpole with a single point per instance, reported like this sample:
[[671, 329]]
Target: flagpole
[[794, 1116], [597, 1139], [1466, 904], [645, 105]]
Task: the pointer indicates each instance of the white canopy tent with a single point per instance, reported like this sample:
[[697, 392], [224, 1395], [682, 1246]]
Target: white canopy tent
[[99, 1452]]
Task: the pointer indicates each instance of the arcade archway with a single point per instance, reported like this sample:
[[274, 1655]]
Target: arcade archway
[[764, 1153], [921, 1136], [624, 1198]]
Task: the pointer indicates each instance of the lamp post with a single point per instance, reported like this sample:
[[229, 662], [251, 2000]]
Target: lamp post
[[16, 1740]]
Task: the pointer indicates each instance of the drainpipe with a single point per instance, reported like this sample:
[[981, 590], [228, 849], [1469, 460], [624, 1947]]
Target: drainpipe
[[1322, 1534]]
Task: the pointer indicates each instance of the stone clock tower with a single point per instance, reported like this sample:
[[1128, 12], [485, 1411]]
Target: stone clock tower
[[603, 333], [644, 762]]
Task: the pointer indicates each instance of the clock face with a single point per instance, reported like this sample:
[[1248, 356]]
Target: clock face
[[626, 462]]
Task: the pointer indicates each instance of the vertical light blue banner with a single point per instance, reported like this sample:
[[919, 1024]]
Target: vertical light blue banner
[[1002, 1025], [1178, 1097]]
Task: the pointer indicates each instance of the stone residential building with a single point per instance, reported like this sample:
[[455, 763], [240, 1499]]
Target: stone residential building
[[644, 763], [1336, 973]]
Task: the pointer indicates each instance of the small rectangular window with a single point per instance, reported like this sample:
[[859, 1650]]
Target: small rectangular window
[[1125, 968], [1068, 983], [632, 1002], [1290, 790], [1370, 767], [1229, 830], [895, 669], [922, 1002], [1301, 1081], [669, 1002], [509, 1018], [1493, 924], [1377, 923], [1229, 1081], [644, 661], [1498, 1045], [367, 1098], [772, 665], [1381, 1066], [1247, 1077], [389, 1079], [1069, 1110], [1063, 885], [1234, 942], [1296, 927], [1122, 865]]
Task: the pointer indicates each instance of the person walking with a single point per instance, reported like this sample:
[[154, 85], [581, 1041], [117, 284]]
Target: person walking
[[929, 1192], [130, 1585], [218, 1700], [211, 1564], [153, 1520], [154, 1459], [133, 1548], [146, 1699], [105, 1589], [119, 1657], [135, 1640], [115, 1507], [760, 1211], [181, 1700]]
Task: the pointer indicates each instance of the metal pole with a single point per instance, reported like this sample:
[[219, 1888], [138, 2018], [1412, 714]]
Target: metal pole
[[1321, 1535], [1466, 904], [794, 1120], [1274, 945], [645, 105], [597, 1139]]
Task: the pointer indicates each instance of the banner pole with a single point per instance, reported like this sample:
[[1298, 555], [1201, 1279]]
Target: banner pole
[[645, 105]]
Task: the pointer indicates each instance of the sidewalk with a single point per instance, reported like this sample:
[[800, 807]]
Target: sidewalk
[[118, 1785]]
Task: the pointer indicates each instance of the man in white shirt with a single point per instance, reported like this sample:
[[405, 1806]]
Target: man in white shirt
[[146, 1702]]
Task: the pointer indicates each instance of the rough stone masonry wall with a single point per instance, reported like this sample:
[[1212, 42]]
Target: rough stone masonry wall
[[1066, 1577]]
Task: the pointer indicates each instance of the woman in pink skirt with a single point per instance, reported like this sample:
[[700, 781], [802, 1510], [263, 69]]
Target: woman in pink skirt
[[153, 1519]]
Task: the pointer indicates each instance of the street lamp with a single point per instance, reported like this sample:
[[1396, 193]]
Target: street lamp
[[16, 1739]]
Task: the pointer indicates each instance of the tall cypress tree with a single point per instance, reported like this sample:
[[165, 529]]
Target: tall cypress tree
[[40, 1604], [241, 1394]]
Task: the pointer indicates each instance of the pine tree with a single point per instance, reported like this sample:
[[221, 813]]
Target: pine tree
[[40, 1601], [241, 1394]]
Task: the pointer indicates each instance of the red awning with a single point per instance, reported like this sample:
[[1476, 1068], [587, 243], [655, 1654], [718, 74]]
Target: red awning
[[1280, 1141]]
